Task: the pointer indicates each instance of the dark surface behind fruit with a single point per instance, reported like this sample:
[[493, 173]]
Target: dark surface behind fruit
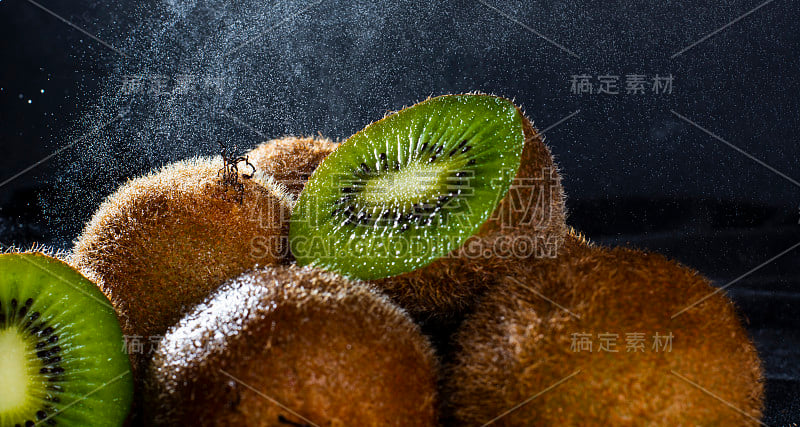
[[634, 172]]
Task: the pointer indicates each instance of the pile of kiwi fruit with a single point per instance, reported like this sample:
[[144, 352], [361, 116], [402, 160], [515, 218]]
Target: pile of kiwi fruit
[[420, 273]]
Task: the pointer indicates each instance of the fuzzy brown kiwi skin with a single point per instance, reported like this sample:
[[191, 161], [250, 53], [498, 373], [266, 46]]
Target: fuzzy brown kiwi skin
[[164, 241], [335, 352], [291, 160], [517, 344]]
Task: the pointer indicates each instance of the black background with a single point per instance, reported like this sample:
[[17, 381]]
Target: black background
[[636, 173]]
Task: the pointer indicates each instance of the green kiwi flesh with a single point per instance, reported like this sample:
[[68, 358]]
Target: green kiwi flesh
[[409, 188], [62, 354]]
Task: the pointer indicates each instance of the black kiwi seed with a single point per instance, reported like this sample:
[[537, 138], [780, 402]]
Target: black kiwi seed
[[365, 168], [47, 331], [348, 190], [344, 199], [422, 149], [366, 219], [35, 315], [471, 162], [465, 149]]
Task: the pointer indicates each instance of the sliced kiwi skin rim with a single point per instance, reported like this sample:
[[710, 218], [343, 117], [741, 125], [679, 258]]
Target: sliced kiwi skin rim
[[463, 152], [63, 347]]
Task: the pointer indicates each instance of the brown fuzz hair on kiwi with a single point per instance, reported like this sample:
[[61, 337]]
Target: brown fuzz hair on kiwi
[[291, 160], [164, 241], [529, 222], [535, 203], [524, 339], [293, 346]]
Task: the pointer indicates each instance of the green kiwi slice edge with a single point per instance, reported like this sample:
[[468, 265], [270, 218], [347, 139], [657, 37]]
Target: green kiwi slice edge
[[62, 355], [409, 188]]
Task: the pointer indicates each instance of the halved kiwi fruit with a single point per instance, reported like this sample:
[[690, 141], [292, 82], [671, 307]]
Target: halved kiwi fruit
[[573, 341], [409, 188], [293, 346], [291, 160], [164, 241], [529, 222], [62, 355]]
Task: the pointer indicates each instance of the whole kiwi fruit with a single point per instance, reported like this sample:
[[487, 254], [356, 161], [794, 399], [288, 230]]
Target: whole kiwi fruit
[[293, 346], [291, 159], [603, 337], [164, 241]]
